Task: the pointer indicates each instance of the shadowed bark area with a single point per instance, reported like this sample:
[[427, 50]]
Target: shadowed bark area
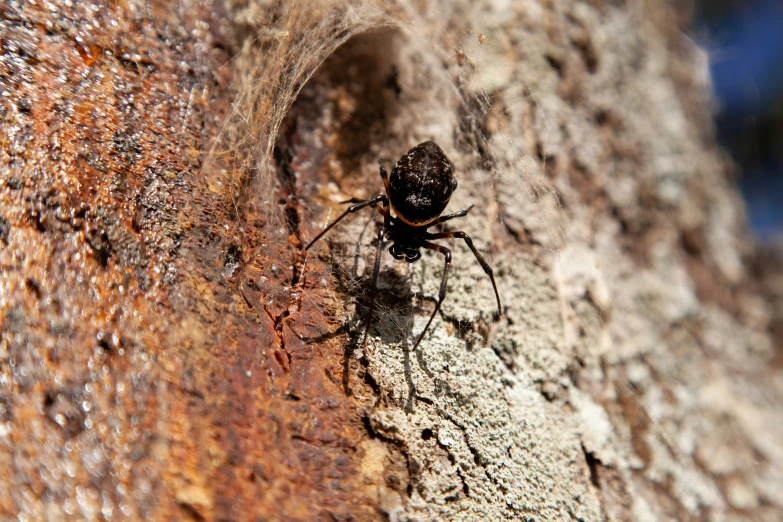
[[168, 350]]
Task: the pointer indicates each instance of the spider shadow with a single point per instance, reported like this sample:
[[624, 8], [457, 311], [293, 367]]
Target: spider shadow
[[392, 319]]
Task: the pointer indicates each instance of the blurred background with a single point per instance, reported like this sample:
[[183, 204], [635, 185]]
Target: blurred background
[[744, 39]]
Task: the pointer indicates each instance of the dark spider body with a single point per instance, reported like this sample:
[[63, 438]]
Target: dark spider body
[[421, 184], [418, 190], [410, 240]]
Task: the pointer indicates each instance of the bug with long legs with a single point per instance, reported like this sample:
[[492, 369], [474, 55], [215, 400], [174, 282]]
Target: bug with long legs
[[418, 191]]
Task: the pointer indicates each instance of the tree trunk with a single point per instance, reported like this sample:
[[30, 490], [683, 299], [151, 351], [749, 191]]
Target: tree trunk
[[170, 350]]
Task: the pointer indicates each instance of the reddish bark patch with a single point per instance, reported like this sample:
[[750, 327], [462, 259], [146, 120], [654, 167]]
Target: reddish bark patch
[[157, 359]]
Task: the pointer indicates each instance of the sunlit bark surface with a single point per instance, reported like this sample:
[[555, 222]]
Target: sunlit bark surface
[[169, 350]]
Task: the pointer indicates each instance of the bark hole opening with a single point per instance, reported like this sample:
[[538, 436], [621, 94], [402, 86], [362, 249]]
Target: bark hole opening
[[340, 119]]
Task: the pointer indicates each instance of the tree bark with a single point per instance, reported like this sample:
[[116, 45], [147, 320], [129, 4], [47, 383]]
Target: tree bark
[[169, 349]]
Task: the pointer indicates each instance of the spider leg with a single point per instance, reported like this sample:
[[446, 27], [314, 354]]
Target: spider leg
[[350, 210], [357, 200], [385, 178], [386, 203], [461, 213], [442, 293], [479, 258], [374, 290]]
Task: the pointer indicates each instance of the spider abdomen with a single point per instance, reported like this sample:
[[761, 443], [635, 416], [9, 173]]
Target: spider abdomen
[[421, 184]]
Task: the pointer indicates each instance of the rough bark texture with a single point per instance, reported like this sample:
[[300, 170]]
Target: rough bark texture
[[168, 350]]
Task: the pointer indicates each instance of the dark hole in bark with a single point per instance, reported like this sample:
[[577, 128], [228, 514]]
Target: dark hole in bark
[[592, 465]]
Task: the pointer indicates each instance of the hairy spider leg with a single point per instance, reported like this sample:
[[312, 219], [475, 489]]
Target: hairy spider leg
[[461, 213], [385, 178], [350, 210], [443, 284], [484, 265], [384, 211], [358, 200]]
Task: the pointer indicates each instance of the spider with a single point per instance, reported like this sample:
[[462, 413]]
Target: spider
[[418, 190]]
